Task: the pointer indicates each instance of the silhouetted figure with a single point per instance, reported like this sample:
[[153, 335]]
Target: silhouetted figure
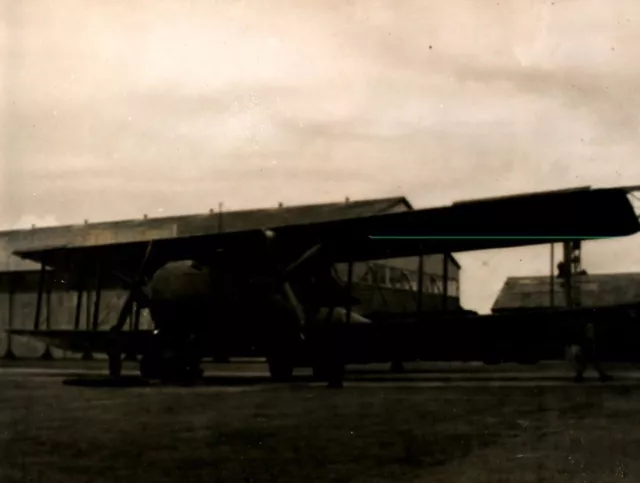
[[587, 352], [563, 271]]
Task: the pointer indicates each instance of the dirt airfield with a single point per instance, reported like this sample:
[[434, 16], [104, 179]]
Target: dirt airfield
[[66, 422]]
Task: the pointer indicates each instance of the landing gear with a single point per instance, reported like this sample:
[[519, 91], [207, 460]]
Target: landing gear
[[280, 367], [283, 349], [114, 353], [170, 369], [115, 363], [320, 372], [171, 364], [335, 376]]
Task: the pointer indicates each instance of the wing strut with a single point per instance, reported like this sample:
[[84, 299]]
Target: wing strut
[[36, 322], [552, 288], [420, 283], [87, 355], [46, 354], [76, 322], [9, 354], [96, 307], [445, 281], [349, 290]]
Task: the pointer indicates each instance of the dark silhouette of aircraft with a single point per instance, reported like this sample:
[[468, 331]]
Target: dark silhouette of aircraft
[[268, 287]]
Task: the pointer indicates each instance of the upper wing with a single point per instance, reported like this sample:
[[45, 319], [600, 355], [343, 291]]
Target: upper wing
[[475, 225]]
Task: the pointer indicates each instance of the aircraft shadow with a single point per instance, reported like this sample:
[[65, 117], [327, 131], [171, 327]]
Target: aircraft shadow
[[207, 381], [106, 381], [253, 381]]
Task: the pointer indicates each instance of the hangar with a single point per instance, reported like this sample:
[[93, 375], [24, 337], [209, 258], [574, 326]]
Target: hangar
[[524, 294], [387, 286]]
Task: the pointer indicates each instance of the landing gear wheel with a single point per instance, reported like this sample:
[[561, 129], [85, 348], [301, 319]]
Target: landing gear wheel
[[335, 376], [150, 367], [115, 363], [320, 372], [186, 375], [280, 368], [170, 370], [330, 372]]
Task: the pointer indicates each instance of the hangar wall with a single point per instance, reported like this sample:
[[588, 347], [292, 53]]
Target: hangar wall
[[62, 301]]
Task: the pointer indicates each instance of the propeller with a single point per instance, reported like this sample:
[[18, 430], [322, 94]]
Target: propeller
[[137, 293], [310, 257]]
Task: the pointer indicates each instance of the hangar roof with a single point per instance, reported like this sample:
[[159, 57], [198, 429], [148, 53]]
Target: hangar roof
[[188, 225], [195, 224], [598, 290]]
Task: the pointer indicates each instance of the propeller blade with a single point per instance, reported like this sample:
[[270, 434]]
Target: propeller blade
[[127, 282], [137, 292], [306, 256], [144, 260], [295, 304]]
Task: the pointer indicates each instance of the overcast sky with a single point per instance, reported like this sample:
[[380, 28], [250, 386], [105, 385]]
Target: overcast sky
[[112, 109]]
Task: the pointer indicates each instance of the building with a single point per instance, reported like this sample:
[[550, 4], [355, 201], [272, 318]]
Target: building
[[383, 286], [599, 290], [392, 286]]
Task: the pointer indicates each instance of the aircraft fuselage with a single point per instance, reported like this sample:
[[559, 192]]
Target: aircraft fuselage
[[185, 298]]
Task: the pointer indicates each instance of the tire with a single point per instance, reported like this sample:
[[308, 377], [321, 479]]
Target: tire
[[320, 372], [115, 364], [335, 376], [150, 367], [280, 368]]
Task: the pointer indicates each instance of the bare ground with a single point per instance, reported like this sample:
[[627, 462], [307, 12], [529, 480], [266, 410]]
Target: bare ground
[[259, 432]]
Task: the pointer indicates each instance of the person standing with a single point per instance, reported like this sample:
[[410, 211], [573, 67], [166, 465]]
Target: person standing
[[587, 352]]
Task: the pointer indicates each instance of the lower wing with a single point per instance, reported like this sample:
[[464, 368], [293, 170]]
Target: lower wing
[[98, 342]]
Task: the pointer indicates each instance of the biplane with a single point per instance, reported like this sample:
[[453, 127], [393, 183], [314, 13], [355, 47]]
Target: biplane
[[269, 289]]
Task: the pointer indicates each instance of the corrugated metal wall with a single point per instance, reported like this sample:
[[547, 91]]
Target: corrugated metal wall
[[63, 302]]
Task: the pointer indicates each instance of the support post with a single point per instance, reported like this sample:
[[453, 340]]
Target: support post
[[420, 283], [568, 293], [131, 356], [9, 354], [36, 322], [552, 287], [576, 269], [96, 308], [76, 322], [136, 322], [349, 289], [88, 310], [132, 315], [87, 355], [47, 355], [445, 281]]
